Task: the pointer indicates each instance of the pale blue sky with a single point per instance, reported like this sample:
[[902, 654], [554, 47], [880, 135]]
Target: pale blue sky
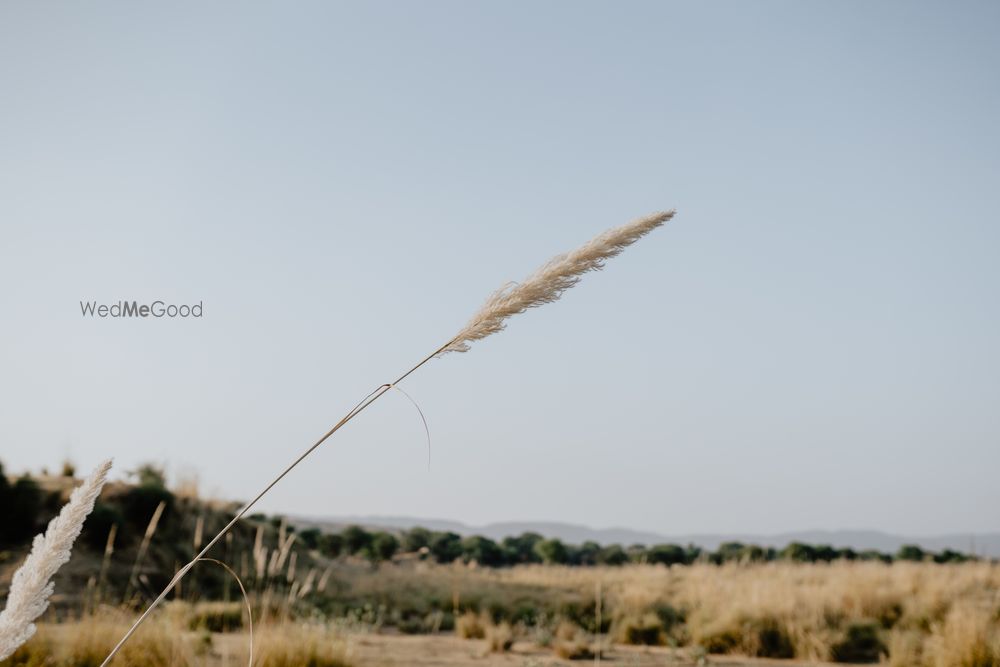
[[811, 344]]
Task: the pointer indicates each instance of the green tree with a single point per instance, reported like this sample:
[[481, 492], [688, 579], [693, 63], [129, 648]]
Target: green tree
[[150, 474], [799, 552], [521, 549], [383, 546], [667, 554], [330, 544], [613, 554], [949, 556], [872, 555], [310, 537], [446, 547], [588, 552], [482, 550], [551, 551], [356, 539], [911, 552], [416, 539], [636, 553], [729, 551]]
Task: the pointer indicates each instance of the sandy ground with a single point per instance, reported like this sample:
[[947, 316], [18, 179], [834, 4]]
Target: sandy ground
[[420, 650]]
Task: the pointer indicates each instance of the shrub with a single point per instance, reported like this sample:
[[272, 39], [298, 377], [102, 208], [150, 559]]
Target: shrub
[[300, 645], [577, 649], [416, 539], [551, 551], [470, 626], [150, 474], [499, 638], [383, 546], [646, 629], [571, 643], [99, 523], [310, 537], [521, 549], [587, 553], [768, 639], [446, 547], [612, 554], [217, 617], [666, 554], [910, 552], [22, 513], [799, 552], [139, 503], [861, 644], [482, 550], [356, 539], [330, 544]]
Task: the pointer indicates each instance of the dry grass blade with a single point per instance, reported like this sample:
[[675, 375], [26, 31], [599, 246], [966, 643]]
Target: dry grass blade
[[144, 546]]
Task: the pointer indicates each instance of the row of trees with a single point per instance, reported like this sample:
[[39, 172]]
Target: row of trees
[[448, 547]]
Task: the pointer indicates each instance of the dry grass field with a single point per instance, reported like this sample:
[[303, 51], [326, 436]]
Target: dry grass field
[[904, 614], [366, 605]]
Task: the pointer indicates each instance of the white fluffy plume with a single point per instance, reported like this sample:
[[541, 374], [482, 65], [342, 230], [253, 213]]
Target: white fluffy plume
[[32, 584], [549, 282]]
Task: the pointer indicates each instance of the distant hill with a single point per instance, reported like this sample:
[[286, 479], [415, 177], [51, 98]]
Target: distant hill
[[982, 544]]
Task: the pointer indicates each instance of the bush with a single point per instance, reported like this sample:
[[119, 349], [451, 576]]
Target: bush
[[99, 524], [149, 474], [799, 552], [330, 544], [551, 551], [356, 539], [860, 644], [587, 553], [499, 638], [23, 511], [644, 630], [139, 503], [612, 555], [577, 649], [310, 537], [768, 639], [446, 547], [470, 626], [666, 554], [383, 546], [911, 552], [482, 550], [416, 539], [217, 617], [521, 549], [571, 642]]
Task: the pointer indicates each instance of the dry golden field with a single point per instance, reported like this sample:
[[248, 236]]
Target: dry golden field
[[903, 614]]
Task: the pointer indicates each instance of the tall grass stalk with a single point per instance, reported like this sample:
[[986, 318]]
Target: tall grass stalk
[[546, 285], [147, 537]]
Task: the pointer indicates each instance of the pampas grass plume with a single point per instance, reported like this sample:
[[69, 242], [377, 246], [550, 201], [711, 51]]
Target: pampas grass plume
[[32, 583], [549, 282]]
